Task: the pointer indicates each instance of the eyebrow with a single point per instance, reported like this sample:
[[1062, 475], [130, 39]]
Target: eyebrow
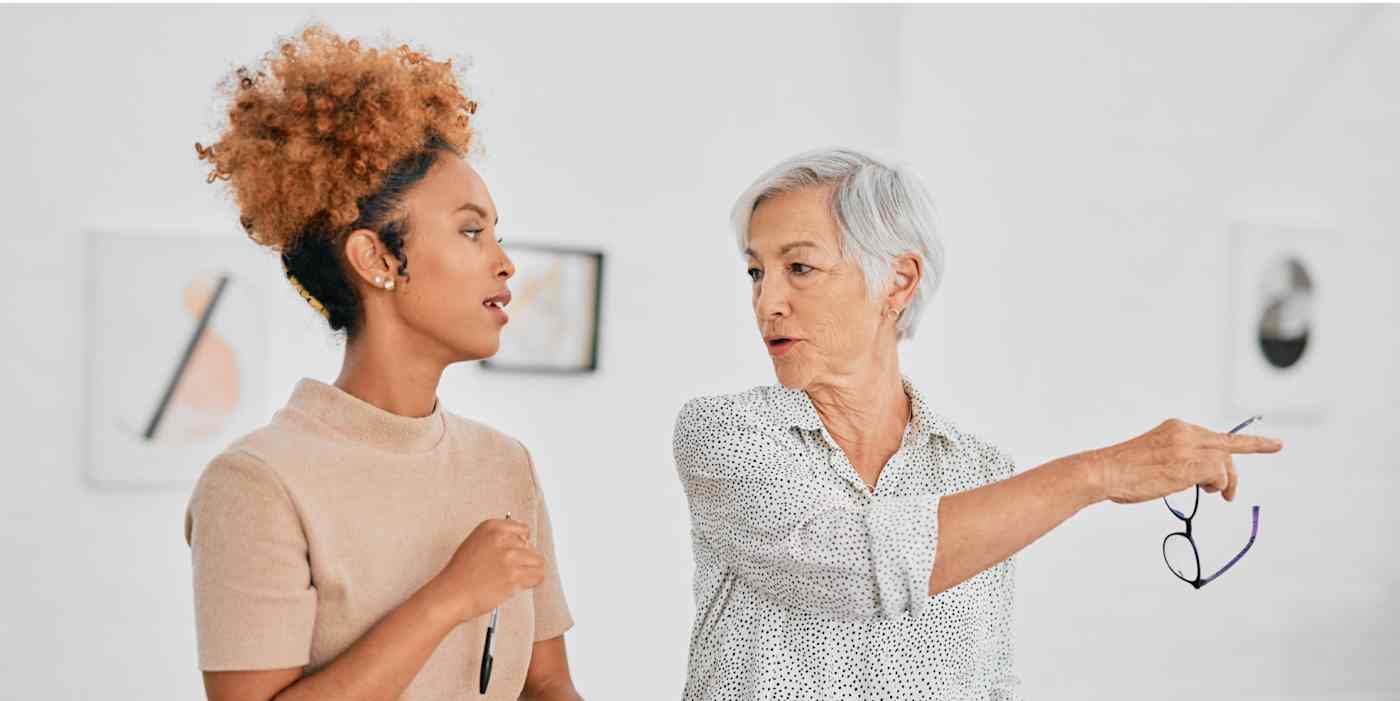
[[478, 210], [785, 249]]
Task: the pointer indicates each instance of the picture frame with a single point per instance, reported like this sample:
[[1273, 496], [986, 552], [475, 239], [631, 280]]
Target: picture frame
[[175, 361], [1281, 349], [555, 311]]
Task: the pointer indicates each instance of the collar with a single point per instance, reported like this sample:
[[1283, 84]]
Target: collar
[[365, 423], [796, 410]]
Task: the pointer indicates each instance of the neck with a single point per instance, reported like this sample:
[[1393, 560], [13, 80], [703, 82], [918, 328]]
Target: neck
[[865, 409], [379, 370]]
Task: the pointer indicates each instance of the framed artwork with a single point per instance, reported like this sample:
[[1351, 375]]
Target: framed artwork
[[555, 311], [1280, 346], [176, 359]]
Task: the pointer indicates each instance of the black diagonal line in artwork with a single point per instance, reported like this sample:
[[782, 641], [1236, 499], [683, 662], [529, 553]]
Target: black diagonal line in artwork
[[185, 358]]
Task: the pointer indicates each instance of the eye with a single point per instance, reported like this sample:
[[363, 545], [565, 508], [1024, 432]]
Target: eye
[[471, 233], [755, 274], [800, 268]]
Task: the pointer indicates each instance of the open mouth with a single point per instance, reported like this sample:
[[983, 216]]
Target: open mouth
[[779, 345], [498, 302], [497, 305]]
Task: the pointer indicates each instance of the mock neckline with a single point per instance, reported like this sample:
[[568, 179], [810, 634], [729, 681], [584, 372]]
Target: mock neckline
[[365, 423]]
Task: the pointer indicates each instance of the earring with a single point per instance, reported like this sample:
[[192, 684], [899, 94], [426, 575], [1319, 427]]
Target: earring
[[378, 280], [389, 285]]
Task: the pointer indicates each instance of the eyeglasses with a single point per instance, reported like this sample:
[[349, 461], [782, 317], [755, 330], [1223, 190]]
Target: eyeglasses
[[1179, 549]]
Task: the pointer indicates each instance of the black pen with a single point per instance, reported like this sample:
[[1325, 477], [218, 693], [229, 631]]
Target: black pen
[[488, 652]]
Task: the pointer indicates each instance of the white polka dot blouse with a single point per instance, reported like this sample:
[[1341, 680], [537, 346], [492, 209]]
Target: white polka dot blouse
[[808, 585]]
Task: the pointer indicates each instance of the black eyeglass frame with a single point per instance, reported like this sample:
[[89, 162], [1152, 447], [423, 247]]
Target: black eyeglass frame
[[1198, 582]]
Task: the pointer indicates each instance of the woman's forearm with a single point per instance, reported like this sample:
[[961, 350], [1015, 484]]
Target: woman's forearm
[[981, 527], [382, 663], [562, 691], [548, 678], [491, 565]]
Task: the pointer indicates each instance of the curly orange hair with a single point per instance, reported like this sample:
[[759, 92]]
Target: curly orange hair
[[315, 128]]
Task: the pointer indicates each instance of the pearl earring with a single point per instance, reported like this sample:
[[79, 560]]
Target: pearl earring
[[378, 280]]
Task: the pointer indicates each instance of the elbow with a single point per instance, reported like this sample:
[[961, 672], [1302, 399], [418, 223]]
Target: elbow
[[860, 613], [841, 603], [912, 605], [857, 605]]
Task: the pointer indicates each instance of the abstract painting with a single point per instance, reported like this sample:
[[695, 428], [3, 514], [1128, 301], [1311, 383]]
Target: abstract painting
[[176, 353], [1279, 331], [554, 311]]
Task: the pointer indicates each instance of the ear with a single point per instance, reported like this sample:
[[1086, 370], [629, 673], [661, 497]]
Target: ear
[[368, 258], [908, 272]]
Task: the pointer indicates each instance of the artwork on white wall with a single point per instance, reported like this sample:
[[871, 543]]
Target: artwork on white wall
[[176, 358], [1280, 334], [555, 309]]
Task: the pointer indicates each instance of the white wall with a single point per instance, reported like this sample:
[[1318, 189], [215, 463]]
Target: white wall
[[626, 128], [1086, 163], [1089, 163]]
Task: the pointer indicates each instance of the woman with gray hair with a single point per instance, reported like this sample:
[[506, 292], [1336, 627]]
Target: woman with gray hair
[[850, 542]]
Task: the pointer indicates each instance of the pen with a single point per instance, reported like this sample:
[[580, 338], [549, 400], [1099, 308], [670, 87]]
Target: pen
[[488, 652]]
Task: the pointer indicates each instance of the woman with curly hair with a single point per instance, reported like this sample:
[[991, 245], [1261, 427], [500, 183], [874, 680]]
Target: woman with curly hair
[[357, 545]]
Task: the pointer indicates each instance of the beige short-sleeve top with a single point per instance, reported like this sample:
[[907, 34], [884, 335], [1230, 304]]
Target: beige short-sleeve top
[[306, 532]]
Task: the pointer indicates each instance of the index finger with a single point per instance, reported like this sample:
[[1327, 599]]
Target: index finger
[[1238, 444]]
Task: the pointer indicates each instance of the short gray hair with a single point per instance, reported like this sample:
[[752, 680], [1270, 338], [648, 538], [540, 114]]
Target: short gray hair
[[883, 212]]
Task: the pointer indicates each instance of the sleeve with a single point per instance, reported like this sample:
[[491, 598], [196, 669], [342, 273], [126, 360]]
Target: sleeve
[[754, 512], [255, 606], [552, 617], [1005, 684]]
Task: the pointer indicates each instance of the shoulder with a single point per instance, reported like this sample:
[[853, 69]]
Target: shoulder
[[484, 438], [981, 460], [755, 407], [744, 428], [968, 459], [287, 439], [486, 445], [249, 460], [249, 479], [238, 486]]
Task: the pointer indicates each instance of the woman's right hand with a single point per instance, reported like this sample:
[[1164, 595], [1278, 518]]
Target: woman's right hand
[[1174, 456], [492, 564]]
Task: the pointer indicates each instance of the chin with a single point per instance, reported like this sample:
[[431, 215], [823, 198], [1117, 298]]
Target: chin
[[792, 377], [490, 352], [477, 349]]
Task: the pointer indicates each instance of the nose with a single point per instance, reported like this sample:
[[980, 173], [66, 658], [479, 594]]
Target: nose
[[505, 267], [770, 299]]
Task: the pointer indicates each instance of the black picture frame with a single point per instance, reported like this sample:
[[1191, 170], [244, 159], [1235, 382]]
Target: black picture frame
[[523, 251]]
